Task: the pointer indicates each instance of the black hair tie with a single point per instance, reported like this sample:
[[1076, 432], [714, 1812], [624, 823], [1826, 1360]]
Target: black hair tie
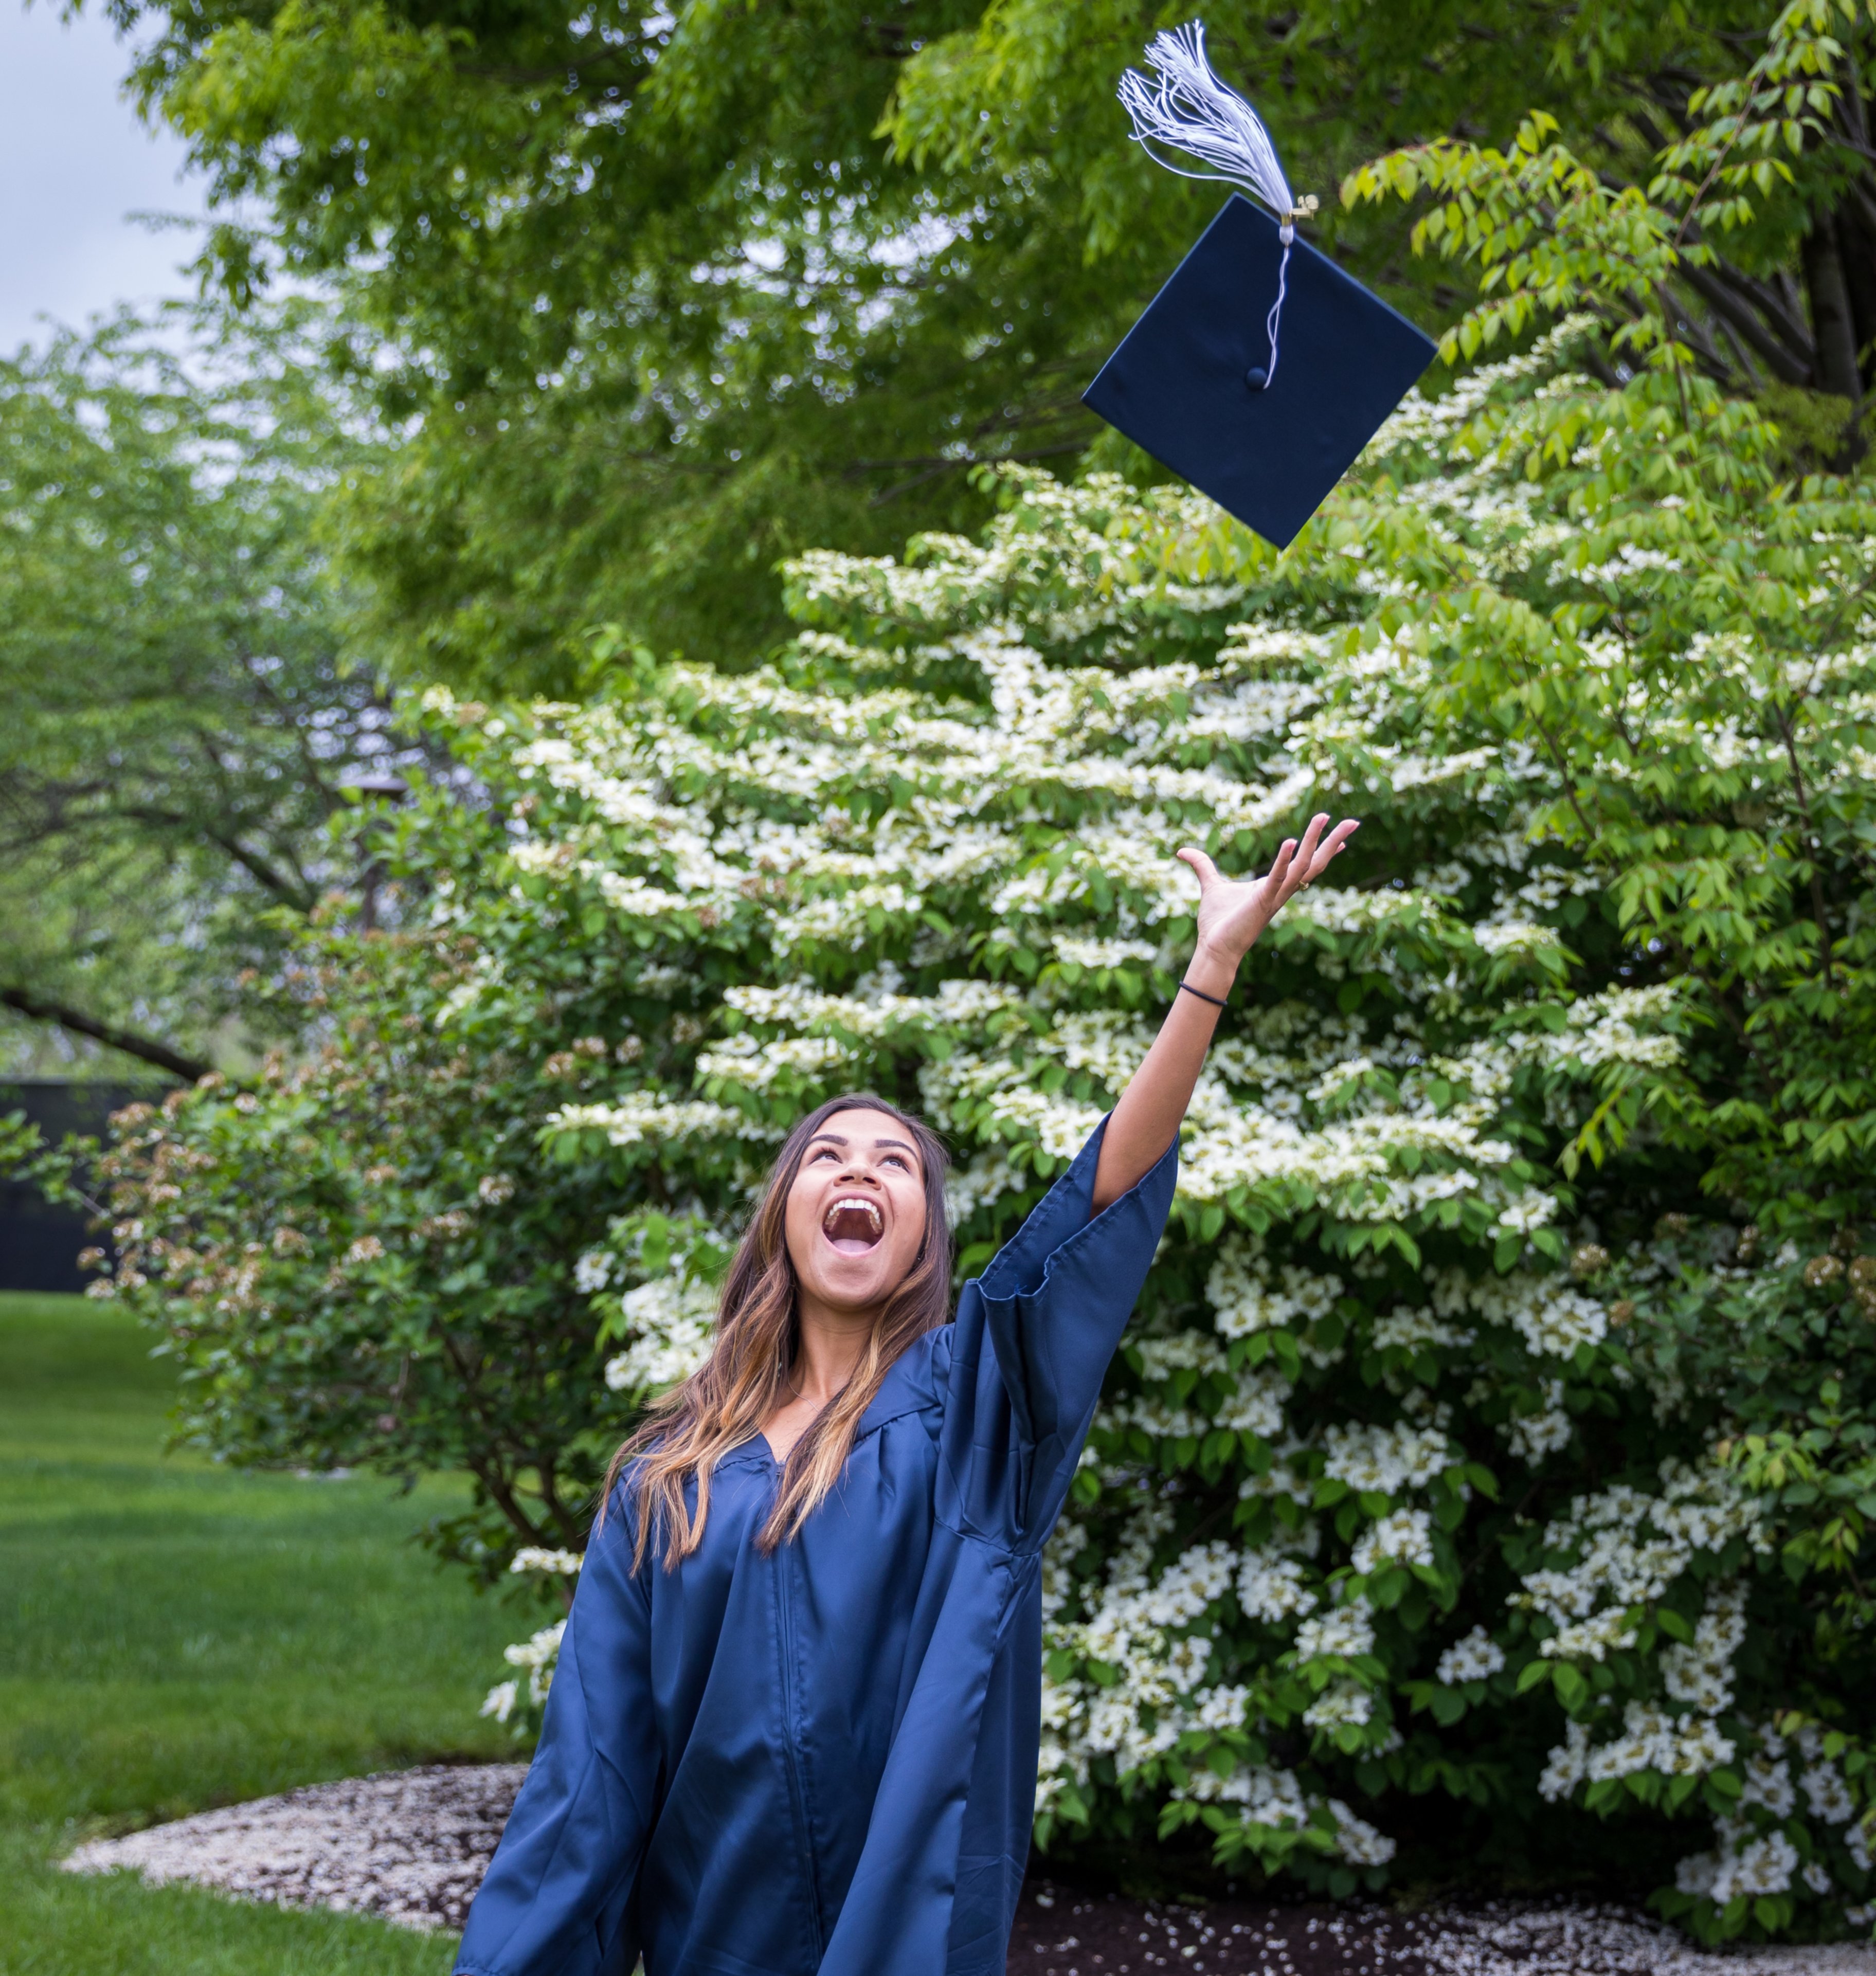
[[1217, 1001]]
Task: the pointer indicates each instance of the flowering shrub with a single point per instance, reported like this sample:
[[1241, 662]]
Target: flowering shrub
[[1491, 1455]]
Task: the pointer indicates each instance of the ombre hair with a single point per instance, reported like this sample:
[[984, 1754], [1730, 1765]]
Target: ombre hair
[[724, 1403]]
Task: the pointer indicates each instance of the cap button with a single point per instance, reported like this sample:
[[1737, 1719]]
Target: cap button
[[1257, 376]]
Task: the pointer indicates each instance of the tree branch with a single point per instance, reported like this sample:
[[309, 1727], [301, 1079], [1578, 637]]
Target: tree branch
[[42, 1009], [1732, 308], [258, 866]]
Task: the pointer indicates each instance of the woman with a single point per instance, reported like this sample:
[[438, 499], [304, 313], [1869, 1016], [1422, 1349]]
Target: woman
[[794, 1724]]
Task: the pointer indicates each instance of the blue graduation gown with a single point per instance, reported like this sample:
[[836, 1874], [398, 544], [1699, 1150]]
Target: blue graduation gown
[[824, 1759]]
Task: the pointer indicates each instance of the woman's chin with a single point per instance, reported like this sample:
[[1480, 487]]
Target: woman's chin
[[852, 1285]]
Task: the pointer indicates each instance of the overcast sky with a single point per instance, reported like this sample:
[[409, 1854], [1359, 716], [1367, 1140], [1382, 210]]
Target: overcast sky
[[75, 163]]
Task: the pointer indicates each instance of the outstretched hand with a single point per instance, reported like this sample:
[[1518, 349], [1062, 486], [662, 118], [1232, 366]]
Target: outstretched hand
[[1234, 912]]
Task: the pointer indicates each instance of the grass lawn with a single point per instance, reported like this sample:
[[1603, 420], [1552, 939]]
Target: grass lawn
[[173, 1636]]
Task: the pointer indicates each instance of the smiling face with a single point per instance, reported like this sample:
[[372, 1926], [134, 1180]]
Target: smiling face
[[856, 1214]]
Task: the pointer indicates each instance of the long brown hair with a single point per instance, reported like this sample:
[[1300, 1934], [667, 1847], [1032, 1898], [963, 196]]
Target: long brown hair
[[725, 1401]]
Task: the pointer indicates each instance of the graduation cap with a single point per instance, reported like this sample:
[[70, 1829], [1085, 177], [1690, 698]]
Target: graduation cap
[[1261, 370]]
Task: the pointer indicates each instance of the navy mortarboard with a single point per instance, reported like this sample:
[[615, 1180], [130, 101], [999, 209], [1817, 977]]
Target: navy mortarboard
[[1260, 371]]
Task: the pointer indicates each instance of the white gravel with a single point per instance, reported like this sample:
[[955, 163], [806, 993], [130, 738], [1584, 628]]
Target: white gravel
[[1502, 1940], [411, 1846]]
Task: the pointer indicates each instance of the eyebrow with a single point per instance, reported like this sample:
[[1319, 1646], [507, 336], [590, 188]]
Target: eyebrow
[[836, 1139]]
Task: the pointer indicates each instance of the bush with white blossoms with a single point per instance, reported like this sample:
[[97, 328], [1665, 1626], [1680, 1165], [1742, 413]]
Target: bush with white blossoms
[[1481, 1484]]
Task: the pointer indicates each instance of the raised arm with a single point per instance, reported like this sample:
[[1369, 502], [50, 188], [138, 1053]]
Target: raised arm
[[1232, 912]]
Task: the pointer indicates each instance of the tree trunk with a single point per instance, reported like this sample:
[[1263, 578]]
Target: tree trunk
[[1856, 246], [1856, 224], [1834, 327]]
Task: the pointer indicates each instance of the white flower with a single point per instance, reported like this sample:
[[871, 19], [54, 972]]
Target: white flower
[[1827, 1794], [1342, 1702], [1404, 1537], [1626, 1549], [1361, 1844], [1652, 1740], [1701, 1673], [1271, 1587], [1402, 1326], [542, 1650], [1221, 1707], [1080, 952], [1739, 1864], [1247, 1294], [1471, 1658], [1533, 1436], [1767, 1780], [494, 1188], [1386, 1460], [555, 1563], [1563, 1768], [675, 1322], [1552, 1317], [538, 1656], [1348, 1630], [594, 1270]]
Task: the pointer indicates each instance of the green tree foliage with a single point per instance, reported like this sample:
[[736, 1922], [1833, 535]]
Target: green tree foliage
[[180, 718], [674, 294]]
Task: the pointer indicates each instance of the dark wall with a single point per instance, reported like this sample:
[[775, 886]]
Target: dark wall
[[39, 1244]]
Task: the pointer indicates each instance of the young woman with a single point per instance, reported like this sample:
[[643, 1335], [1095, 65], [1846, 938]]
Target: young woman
[[794, 1725]]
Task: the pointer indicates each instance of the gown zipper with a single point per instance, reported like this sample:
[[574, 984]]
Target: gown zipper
[[797, 1789]]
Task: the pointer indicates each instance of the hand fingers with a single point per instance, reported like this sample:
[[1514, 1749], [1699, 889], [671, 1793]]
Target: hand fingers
[[1291, 874], [1202, 865], [1305, 867], [1331, 846]]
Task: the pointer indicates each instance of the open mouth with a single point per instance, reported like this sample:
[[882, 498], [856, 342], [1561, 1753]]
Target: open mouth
[[853, 1224]]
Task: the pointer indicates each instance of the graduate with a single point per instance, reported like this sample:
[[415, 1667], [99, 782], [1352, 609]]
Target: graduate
[[794, 1726]]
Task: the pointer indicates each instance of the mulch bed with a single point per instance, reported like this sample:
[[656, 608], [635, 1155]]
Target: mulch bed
[[1061, 1931]]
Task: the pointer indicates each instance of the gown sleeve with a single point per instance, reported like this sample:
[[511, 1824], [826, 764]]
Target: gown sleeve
[[1034, 1337], [557, 1898]]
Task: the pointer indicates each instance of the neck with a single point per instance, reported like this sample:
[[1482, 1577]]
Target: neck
[[831, 1344]]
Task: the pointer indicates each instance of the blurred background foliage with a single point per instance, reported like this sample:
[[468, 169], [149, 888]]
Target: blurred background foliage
[[665, 294], [621, 308], [183, 714]]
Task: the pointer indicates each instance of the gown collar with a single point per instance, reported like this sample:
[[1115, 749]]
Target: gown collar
[[910, 1386]]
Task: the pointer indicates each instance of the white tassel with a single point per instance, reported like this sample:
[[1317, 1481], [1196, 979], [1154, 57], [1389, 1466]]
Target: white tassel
[[1189, 110]]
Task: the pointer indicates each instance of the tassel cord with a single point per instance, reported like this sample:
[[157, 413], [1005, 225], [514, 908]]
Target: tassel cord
[[1189, 110], [1276, 308]]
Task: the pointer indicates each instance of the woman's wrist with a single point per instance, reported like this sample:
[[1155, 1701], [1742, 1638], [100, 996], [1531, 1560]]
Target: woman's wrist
[[1212, 970]]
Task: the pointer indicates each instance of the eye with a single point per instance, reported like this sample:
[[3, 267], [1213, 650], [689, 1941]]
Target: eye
[[898, 1160]]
